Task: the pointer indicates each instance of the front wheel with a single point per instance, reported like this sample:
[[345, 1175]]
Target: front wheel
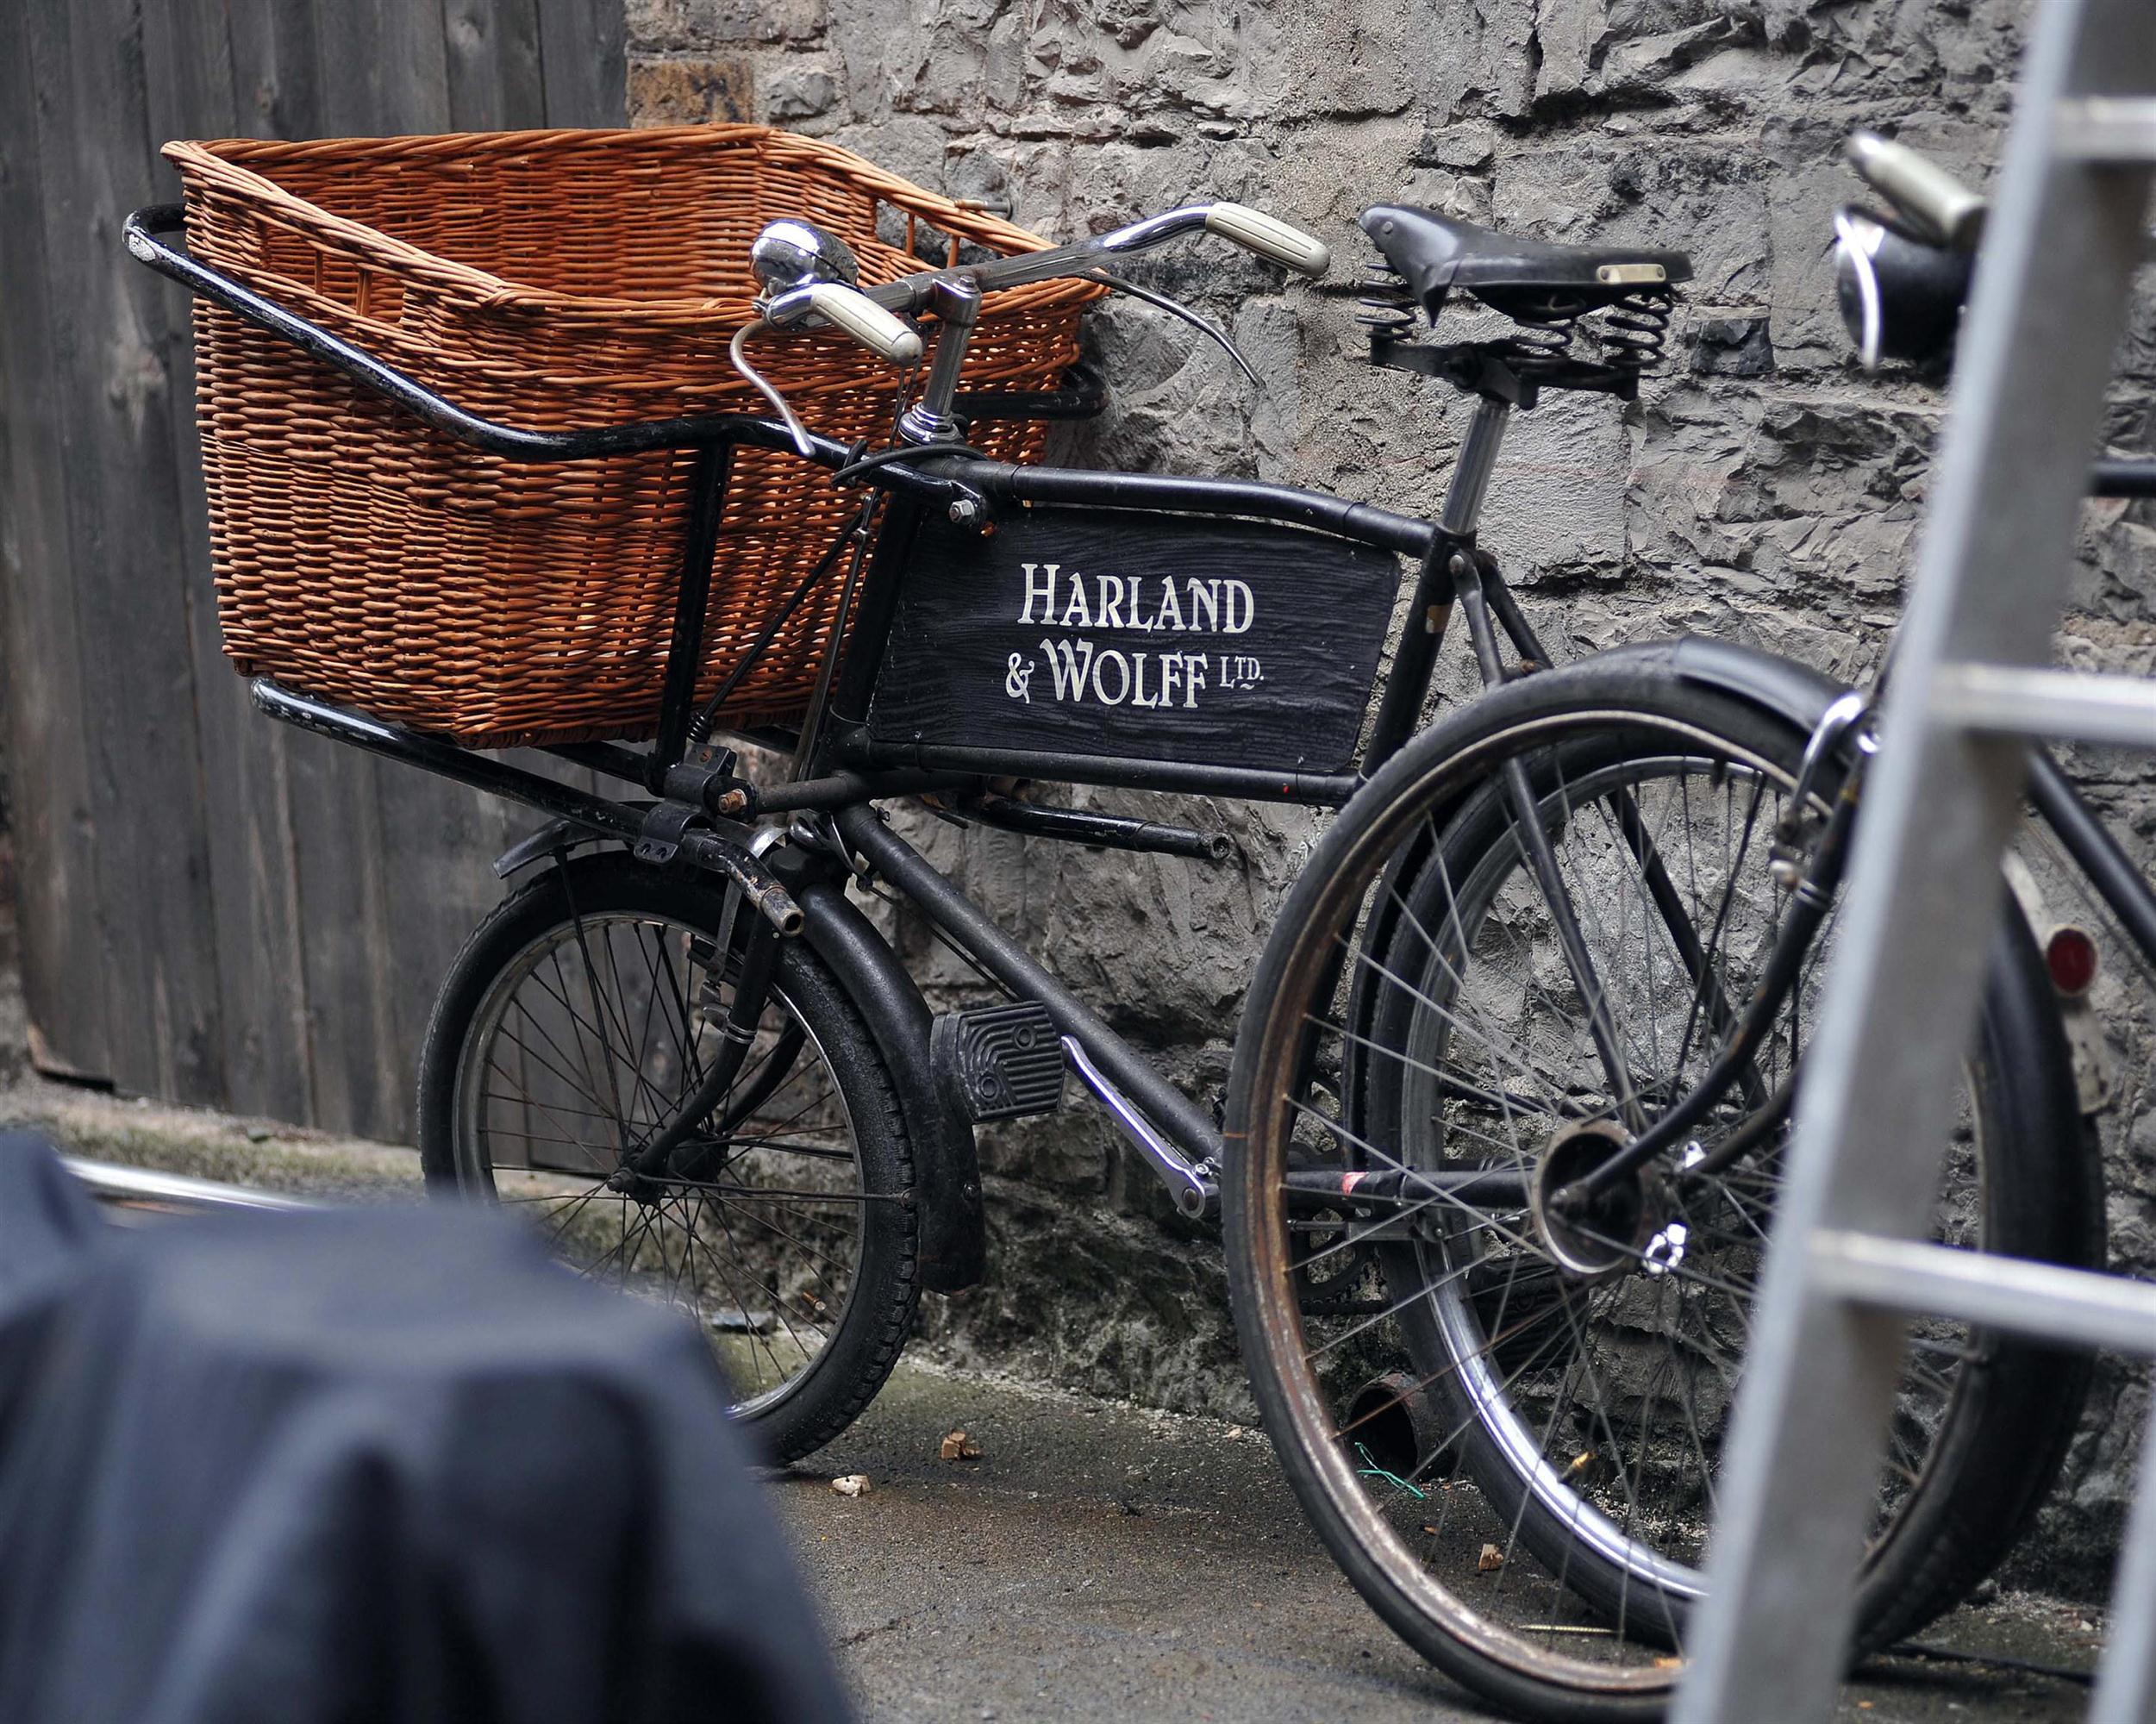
[[575, 1020], [1507, 1426]]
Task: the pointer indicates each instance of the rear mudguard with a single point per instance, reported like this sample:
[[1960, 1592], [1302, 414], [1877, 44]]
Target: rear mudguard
[[954, 1244], [1790, 691]]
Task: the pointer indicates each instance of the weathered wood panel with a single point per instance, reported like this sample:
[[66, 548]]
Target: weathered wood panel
[[39, 649], [213, 908], [193, 85], [151, 871]]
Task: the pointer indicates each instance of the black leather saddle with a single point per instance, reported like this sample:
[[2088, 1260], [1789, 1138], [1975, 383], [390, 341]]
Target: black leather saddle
[[1536, 280]]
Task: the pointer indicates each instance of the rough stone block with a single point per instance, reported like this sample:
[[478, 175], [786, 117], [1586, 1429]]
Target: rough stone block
[[689, 92]]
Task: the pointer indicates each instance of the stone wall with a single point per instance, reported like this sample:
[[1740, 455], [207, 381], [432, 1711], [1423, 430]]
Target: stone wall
[[1761, 490]]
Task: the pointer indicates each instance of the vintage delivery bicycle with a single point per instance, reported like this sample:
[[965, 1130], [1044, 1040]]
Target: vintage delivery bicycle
[[685, 1051]]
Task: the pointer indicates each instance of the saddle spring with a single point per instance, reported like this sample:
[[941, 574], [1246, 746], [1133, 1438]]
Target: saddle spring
[[1388, 304], [1539, 346], [1635, 329]]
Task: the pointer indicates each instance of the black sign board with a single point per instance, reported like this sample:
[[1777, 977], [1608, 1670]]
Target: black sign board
[[1124, 636]]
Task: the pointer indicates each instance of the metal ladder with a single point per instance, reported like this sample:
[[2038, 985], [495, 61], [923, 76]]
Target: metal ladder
[[1849, 1264]]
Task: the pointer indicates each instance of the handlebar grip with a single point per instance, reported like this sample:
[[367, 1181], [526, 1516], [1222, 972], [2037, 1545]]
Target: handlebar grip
[[1269, 237], [1920, 188], [861, 317]]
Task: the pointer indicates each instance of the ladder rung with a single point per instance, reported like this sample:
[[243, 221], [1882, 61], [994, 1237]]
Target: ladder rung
[[2107, 128], [2026, 702], [2039, 1300]]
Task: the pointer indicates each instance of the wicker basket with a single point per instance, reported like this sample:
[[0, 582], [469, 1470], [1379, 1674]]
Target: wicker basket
[[552, 280]]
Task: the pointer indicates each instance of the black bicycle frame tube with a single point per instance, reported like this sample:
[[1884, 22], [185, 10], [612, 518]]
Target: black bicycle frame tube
[[1407, 682], [507, 441], [1541, 857], [1667, 901], [2123, 479], [1171, 494], [499, 778], [1174, 1112], [1409, 1187], [752, 987], [685, 652], [874, 609], [2118, 883], [1244, 783], [141, 232], [1808, 905]]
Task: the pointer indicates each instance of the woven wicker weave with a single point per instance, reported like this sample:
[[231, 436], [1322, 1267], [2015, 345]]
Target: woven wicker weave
[[555, 281]]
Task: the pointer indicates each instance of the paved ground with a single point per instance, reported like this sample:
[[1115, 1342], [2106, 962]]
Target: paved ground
[[1101, 1562]]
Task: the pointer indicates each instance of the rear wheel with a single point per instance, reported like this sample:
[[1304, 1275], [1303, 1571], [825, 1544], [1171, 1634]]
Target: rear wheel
[[1507, 1426], [575, 1020]]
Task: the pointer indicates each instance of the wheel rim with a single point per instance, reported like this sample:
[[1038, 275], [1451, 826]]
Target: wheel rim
[[1547, 1630], [580, 1051]]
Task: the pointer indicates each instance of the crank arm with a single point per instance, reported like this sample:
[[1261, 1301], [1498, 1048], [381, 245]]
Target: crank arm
[[1192, 1187]]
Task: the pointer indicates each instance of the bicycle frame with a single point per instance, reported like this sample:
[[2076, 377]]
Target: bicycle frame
[[849, 770], [849, 773], [2107, 868]]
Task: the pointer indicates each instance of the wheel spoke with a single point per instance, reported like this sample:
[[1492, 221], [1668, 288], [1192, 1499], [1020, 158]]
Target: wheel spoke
[[586, 1042], [1436, 1012]]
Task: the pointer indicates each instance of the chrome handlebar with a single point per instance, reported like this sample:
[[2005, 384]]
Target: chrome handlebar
[[1264, 235], [809, 275], [1923, 192]]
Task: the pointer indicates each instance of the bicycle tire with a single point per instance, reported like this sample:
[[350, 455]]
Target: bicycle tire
[[1432, 813], [762, 1312]]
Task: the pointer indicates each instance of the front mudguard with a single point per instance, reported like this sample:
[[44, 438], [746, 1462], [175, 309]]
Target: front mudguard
[[954, 1237]]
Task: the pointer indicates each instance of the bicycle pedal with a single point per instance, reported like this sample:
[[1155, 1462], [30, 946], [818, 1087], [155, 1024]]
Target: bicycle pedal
[[999, 1063]]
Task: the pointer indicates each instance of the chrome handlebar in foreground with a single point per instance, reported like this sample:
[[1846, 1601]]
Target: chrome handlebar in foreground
[[1902, 276], [1924, 194]]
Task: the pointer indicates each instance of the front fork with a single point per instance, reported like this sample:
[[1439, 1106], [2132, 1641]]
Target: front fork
[[654, 1159]]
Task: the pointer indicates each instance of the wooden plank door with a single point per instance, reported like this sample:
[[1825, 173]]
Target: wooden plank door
[[213, 908]]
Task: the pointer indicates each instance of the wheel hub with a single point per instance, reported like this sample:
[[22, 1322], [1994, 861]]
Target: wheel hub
[[638, 1187], [1600, 1236]]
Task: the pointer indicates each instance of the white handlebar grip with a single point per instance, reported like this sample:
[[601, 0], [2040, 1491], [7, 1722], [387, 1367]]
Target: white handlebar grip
[[1918, 186], [866, 321], [1268, 236]]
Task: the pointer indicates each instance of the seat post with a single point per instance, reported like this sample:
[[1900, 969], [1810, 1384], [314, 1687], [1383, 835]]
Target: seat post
[[1470, 473]]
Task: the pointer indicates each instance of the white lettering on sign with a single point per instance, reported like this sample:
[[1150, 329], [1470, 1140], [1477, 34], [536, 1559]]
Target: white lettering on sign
[[1140, 604], [1080, 671]]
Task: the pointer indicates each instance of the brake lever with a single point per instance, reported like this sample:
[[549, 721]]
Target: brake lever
[[767, 389], [1197, 320]]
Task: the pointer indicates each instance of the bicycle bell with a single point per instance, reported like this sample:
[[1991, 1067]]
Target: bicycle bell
[[789, 254]]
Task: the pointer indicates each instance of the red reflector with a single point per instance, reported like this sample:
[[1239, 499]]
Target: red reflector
[[2070, 956]]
